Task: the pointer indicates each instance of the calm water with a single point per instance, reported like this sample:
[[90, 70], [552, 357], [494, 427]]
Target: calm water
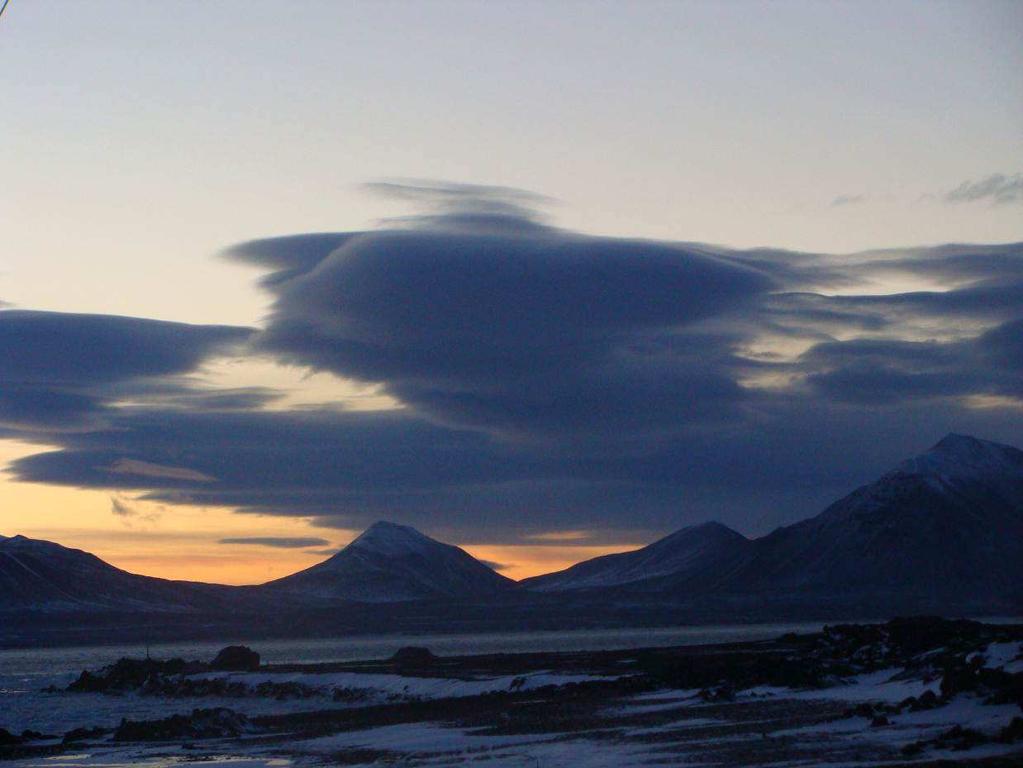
[[31, 666]]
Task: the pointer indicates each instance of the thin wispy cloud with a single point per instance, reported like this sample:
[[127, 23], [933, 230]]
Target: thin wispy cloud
[[842, 200], [560, 536], [152, 470], [495, 565], [279, 542], [998, 188], [129, 513]]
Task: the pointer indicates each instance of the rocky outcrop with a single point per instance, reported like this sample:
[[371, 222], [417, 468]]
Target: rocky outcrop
[[413, 657], [236, 658], [216, 723]]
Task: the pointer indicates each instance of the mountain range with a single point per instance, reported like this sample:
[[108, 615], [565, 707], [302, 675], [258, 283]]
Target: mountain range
[[940, 533]]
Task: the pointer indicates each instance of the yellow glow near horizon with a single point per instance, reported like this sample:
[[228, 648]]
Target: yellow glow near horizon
[[182, 542], [173, 542]]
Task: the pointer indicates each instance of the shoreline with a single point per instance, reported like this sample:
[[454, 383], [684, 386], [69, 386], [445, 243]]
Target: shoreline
[[910, 688]]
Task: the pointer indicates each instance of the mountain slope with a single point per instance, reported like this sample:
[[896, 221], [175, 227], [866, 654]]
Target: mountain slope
[[41, 575], [692, 555], [394, 563], [941, 531]]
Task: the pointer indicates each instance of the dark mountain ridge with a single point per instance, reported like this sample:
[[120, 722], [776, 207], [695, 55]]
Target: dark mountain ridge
[[691, 556], [941, 530], [940, 533], [45, 576]]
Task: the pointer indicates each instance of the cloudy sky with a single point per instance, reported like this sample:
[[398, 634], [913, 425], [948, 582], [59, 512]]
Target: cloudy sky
[[546, 280]]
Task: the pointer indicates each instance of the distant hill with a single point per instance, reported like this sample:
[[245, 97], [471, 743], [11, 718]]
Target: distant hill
[[393, 563], [696, 556], [44, 576]]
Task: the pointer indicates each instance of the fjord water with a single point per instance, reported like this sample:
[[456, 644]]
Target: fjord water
[[47, 663]]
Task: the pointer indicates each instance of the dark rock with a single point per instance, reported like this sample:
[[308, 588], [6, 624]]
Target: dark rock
[[8, 739], [723, 692], [87, 682], [82, 734], [350, 695], [997, 685], [955, 738], [201, 724], [1013, 732], [28, 735], [130, 674], [915, 634], [879, 720], [928, 700], [863, 710], [959, 738], [413, 656], [913, 749], [236, 658]]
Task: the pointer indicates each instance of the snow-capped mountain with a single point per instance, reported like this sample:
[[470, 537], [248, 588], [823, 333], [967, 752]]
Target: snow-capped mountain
[[693, 556], [942, 531], [393, 563], [42, 575]]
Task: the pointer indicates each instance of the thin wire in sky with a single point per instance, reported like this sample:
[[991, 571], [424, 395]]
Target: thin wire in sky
[[3, 7]]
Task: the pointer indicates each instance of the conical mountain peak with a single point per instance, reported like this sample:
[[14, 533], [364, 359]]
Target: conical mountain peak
[[392, 563], [954, 441], [387, 538], [964, 456]]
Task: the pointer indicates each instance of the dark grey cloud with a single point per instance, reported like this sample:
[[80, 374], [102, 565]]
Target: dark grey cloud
[[998, 188], [60, 370], [121, 508], [792, 456], [55, 348], [526, 331], [312, 457], [279, 542], [876, 372], [34, 408], [960, 264], [550, 380]]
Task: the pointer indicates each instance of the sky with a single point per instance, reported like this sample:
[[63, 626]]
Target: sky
[[545, 280]]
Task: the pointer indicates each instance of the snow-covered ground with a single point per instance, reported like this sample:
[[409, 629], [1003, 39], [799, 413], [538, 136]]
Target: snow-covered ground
[[874, 686], [767, 725], [60, 712], [380, 686], [677, 726]]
